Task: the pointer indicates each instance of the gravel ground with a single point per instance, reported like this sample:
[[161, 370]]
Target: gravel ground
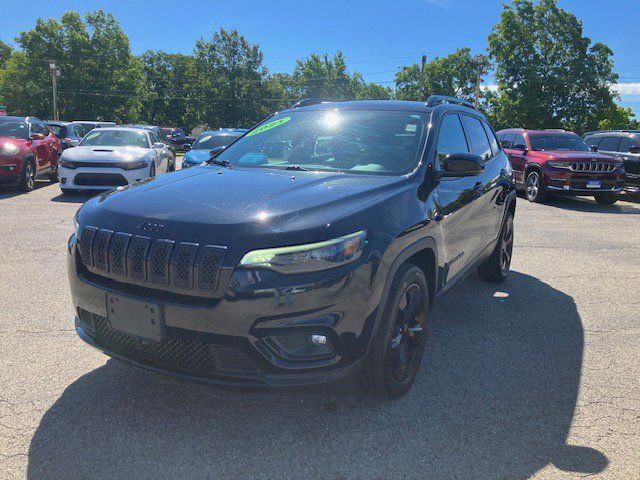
[[537, 378]]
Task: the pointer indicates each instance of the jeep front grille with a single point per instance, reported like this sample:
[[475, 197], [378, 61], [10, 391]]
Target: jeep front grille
[[155, 263], [596, 167]]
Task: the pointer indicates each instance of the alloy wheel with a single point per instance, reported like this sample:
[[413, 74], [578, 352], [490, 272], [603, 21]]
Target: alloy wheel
[[409, 334], [506, 247], [29, 176], [533, 186]]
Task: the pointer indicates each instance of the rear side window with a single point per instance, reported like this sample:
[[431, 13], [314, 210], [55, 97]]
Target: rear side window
[[593, 141], [477, 137], [609, 144], [495, 145], [626, 143], [507, 140], [451, 138]]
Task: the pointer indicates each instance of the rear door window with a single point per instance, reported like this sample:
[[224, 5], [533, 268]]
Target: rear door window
[[518, 142], [477, 137], [609, 144], [626, 143], [507, 140]]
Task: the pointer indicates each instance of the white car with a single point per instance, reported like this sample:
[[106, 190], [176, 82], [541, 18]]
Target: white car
[[112, 157]]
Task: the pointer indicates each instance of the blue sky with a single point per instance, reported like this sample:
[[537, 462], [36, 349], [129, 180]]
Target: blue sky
[[376, 36]]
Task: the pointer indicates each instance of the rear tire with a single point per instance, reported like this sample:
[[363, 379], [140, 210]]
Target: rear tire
[[396, 350], [606, 198], [53, 177], [27, 177], [533, 188], [496, 268]]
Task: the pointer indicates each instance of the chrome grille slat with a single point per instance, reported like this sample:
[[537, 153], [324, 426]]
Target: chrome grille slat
[[587, 167]]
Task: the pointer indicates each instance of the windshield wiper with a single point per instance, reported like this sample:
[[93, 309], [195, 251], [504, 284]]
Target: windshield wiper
[[222, 163], [297, 168]]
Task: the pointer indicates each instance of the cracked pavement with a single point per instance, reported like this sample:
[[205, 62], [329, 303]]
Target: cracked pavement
[[538, 377]]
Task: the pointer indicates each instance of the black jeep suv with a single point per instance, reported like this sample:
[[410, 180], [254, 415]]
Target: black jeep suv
[[309, 251]]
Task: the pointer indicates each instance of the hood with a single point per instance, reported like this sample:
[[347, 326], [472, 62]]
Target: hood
[[100, 154], [199, 155], [242, 209], [573, 156]]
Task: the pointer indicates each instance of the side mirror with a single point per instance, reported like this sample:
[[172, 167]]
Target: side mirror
[[215, 151], [37, 136], [158, 145], [462, 165], [634, 149], [593, 148], [186, 146], [520, 146]]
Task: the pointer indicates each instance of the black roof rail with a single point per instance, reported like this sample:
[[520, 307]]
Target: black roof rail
[[305, 102], [611, 131], [434, 100]]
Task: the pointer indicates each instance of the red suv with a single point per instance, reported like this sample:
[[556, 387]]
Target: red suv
[[560, 162], [28, 149]]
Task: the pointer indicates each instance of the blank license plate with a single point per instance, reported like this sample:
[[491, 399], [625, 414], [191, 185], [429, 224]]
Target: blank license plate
[[594, 184], [142, 319]]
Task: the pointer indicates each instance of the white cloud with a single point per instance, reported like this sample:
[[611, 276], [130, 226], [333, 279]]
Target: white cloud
[[628, 88]]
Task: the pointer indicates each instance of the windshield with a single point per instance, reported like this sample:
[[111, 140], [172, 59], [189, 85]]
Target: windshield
[[59, 131], [14, 129], [115, 138], [352, 141], [209, 141], [571, 143]]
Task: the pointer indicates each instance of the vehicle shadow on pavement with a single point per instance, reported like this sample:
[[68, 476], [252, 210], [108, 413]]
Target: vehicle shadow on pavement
[[589, 205], [9, 191], [79, 197], [495, 399]]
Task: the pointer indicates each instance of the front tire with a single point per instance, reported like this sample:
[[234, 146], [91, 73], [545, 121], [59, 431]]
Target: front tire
[[27, 177], [606, 198], [533, 189], [152, 170], [496, 268], [396, 350], [53, 177]]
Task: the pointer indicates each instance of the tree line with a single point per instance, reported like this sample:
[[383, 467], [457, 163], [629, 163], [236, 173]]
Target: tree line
[[547, 75]]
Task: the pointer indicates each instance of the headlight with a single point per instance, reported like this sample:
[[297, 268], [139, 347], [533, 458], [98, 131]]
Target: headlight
[[66, 164], [9, 149], [555, 164], [312, 257], [135, 165]]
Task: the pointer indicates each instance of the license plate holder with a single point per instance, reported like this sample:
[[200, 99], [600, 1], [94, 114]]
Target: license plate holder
[[594, 184], [135, 317]]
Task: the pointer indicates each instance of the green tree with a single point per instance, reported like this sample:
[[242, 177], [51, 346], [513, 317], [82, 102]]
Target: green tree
[[167, 93], [549, 75], [618, 118], [453, 75], [100, 79], [5, 53], [228, 81]]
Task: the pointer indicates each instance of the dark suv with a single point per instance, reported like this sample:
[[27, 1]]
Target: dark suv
[[309, 251], [624, 145]]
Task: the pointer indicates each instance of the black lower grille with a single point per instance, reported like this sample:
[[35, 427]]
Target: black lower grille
[[100, 180], [581, 183], [179, 353]]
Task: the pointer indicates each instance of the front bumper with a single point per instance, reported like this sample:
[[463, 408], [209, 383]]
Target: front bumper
[[569, 183], [227, 341], [10, 169], [93, 178]]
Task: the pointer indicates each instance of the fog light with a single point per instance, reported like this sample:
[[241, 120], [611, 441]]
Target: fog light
[[318, 339], [63, 180]]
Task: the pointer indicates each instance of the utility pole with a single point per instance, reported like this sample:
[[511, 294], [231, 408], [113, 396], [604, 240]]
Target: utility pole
[[481, 61], [55, 73], [422, 90]]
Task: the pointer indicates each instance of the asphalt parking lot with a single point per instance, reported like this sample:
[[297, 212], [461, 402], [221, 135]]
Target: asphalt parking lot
[[536, 378]]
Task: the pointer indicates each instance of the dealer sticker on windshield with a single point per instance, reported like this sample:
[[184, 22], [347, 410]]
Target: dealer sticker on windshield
[[268, 126]]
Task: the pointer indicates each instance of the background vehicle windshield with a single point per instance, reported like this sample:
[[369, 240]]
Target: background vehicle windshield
[[209, 141], [353, 141], [571, 143], [115, 138], [14, 129], [59, 131]]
